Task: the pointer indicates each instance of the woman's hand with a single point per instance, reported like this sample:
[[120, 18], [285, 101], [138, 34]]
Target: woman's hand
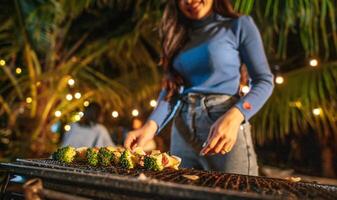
[[223, 133], [139, 137]]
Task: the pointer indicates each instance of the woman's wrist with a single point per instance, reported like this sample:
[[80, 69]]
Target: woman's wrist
[[237, 114], [151, 126]]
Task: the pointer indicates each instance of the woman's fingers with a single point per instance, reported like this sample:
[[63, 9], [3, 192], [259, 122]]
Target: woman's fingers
[[228, 146], [130, 138], [211, 142], [220, 145]]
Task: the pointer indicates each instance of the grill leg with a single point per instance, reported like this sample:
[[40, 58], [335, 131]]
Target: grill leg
[[4, 183]]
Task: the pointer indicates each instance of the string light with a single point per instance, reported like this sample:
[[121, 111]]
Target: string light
[[153, 103], [29, 100], [38, 83], [2, 62], [77, 95], [67, 127], [18, 70], [69, 97], [81, 114], [317, 111], [296, 104], [71, 82], [135, 112], [279, 79], [58, 113], [86, 103], [313, 62], [114, 114], [245, 89], [77, 117]]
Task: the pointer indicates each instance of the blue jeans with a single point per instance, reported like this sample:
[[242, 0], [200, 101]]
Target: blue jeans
[[199, 112]]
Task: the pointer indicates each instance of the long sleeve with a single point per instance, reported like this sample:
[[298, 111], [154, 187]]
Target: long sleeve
[[162, 110], [252, 54]]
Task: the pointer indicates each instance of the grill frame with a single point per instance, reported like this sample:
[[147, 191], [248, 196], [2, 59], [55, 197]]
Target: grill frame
[[103, 185]]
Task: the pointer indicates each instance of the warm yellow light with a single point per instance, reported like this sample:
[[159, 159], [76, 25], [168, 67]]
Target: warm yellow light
[[86, 103], [38, 83], [58, 113], [80, 114], [279, 79], [69, 97], [67, 127], [135, 112], [114, 114], [29, 100], [245, 89], [313, 62], [298, 104], [71, 82], [153, 103], [77, 95], [18, 70], [2, 62], [317, 111], [77, 117]]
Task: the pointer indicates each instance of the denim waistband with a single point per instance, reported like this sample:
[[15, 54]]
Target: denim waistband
[[194, 99]]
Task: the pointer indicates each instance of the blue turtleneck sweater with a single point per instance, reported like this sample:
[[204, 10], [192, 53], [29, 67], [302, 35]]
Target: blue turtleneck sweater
[[210, 63]]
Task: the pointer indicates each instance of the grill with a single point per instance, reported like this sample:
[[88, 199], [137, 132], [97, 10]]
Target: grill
[[117, 183]]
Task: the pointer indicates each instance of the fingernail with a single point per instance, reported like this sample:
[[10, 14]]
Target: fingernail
[[203, 145]]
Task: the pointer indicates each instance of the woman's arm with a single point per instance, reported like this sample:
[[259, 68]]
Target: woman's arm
[[139, 137], [223, 133], [252, 54]]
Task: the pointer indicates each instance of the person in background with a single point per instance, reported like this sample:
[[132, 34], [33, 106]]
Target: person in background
[[88, 132]]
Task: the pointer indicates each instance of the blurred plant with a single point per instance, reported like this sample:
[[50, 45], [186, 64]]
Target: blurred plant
[[59, 48]]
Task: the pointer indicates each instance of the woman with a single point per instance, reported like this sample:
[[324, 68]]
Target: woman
[[204, 45], [88, 132]]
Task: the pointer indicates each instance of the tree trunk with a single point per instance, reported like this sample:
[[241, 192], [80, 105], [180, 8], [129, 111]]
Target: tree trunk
[[327, 162]]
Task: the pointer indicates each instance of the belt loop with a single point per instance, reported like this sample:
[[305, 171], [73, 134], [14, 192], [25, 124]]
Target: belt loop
[[203, 103]]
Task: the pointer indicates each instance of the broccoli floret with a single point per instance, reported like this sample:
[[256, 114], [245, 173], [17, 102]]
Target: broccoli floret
[[153, 162], [65, 154], [92, 156], [126, 161], [105, 156]]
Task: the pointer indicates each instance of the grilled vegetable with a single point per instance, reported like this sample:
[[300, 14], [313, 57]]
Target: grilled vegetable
[[127, 160], [171, 161], [92, 156], [154, 162], [65, 154], [105, 156], [81, 154], [158, 161]]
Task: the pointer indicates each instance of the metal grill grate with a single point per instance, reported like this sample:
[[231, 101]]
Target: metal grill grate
[[209, 181]]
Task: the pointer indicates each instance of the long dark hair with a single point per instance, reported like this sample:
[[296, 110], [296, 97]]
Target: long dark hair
[[173, 34], [91, 115]]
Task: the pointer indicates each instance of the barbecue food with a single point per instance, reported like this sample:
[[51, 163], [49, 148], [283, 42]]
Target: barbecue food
[[65, 154], [117, 156], [92, 156], [158, 161], [105, 156], [81, 154], [154, 162], [127, 160]]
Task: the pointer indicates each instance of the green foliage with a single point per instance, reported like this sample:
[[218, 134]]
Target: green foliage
[[313, 21], [290, 108]]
